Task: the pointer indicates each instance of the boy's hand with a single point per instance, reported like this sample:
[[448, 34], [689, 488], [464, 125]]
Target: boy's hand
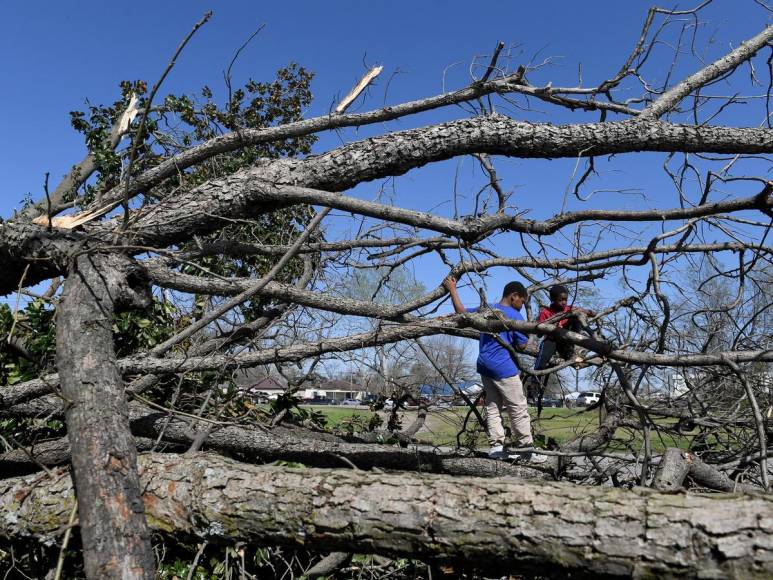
[[449, 283]]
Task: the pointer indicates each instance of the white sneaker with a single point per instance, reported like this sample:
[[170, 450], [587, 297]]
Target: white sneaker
[[535, 458], [497, 452], [527, 456]]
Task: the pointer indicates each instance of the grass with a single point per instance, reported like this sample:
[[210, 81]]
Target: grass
[[559, 425]]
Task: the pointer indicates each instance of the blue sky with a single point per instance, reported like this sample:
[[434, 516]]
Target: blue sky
[[58, 54]]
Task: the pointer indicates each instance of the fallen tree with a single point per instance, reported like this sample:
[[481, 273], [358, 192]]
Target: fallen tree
[[232, 259], [262, 445], [501, 526]]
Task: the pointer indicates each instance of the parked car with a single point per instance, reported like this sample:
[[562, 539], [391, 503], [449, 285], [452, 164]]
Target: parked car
[[552, 402], [546, 402], [350, 402], [588, 398], [442, 405], [318, 401]]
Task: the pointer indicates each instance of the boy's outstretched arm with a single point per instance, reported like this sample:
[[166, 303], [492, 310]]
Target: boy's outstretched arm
[[450, 284]]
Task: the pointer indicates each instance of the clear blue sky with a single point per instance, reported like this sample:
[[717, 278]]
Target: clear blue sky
[[58, 54]]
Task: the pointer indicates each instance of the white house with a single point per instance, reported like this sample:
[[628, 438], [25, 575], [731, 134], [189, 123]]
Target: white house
[[336, 390]]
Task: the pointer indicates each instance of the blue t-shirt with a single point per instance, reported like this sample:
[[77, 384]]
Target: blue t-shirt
[[494, 361]]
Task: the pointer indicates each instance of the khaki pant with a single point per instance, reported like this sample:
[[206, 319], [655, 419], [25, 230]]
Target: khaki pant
[[507, 393]]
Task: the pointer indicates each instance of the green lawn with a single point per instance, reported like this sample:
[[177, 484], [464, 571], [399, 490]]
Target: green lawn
[[560, 425]]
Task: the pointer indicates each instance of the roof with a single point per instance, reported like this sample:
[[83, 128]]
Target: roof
[[268, 384], [339, 385]]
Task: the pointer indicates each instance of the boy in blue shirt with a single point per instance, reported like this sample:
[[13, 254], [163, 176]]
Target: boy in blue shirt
[[499, 373]]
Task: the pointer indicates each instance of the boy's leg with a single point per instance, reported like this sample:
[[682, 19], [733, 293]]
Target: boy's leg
[[568, 350], [514, 402], [546, 351], [565, 349], [496, 430]]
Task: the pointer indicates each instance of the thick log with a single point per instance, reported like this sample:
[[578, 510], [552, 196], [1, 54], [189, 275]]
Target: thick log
[[502, 526], [677, 465], [672, 470], [315, 451], [300, 445], [116, 539]]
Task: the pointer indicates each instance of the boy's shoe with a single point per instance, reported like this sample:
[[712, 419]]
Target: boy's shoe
[[497, 452], [580, 358], [532, 457], [527, 456]]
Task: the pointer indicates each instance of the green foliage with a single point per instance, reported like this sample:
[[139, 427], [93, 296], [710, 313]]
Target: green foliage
[[291, 403], [257, 105], [172, 127], [144, 329], [96, 129], [183, 121], [35, 330], [359, 423]]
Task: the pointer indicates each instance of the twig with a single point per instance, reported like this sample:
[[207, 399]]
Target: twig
[[16, 308], [227, 73], [141, 129], [493, 62], [201, 435], [26, 452], [758, 420], [471, 404], [195, 563], [153, 405], [48, 202], [66, 540]]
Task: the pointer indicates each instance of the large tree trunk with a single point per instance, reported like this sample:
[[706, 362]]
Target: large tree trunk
[[116, 538], [502, 526]]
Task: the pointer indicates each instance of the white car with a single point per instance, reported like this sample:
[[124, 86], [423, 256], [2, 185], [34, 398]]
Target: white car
[[588, 398], [350, 403]]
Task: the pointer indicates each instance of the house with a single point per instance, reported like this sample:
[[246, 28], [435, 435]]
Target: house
[[337, 390], [269, 388]]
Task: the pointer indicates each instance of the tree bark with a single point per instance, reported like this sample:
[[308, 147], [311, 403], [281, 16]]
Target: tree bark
[[317, 452], [259, 189], [672, 470], [677, 465], [116, 538], [497, 527], [253, 444]]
